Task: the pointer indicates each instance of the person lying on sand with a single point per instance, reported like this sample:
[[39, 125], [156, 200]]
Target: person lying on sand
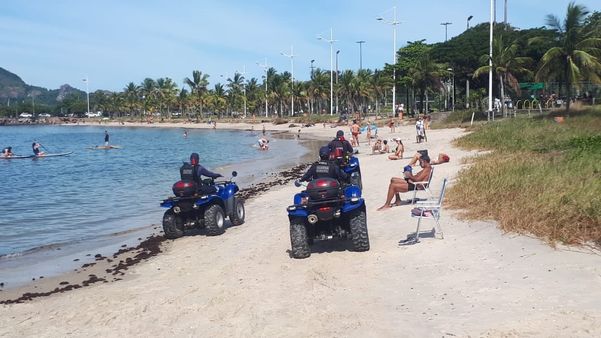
[[442, 158], [398, 152], [398, 185]]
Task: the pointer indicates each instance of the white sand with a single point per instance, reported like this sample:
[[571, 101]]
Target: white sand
[[476, 282]]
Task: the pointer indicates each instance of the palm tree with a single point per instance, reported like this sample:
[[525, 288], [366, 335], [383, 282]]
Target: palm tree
[[506, 65], [198, 86], [132, 97], [576, 56], [425, 75], [235, 87], [167, 91]]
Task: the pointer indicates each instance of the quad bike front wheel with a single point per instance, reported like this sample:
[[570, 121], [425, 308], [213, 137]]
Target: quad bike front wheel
[[173, 225], [358, 225], [239, 212], [298, 238], [214, 220]]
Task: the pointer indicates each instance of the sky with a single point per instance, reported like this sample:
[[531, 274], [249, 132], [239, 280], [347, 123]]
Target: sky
[[114, 42]]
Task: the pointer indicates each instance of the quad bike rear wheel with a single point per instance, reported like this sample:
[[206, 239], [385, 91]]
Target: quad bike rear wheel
[[173, 225], [298, 238], [358, 225], [214, 220]]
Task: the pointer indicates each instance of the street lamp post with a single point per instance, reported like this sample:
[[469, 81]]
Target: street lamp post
[[492, 18], [291, 56], [394, 23], [264, 66], [331, 42], [87, 94], [446, 26], [468, 21], [337, 52], [312, 68], [360, 42]]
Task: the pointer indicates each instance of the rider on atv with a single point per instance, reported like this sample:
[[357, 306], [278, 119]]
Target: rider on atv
[[340, 149], [193, 171], [324, 168]]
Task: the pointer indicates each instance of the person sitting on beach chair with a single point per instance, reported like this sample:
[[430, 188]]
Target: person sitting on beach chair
[[398, 185]]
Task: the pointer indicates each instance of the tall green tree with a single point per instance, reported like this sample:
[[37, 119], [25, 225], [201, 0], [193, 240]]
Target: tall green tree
[[576, 56], [426, 75], [198, 86], [506, 65]]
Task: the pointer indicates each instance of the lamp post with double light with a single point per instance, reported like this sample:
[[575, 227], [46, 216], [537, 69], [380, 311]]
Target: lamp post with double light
[[394, 23], [87, 94], [331, 42]]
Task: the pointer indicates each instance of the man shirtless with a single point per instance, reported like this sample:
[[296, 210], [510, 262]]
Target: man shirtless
[[398, 185], [355, 131]]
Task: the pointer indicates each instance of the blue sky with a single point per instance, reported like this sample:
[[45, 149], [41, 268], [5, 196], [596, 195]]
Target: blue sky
[[113, 42]]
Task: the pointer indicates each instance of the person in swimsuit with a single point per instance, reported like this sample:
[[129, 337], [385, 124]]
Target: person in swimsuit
[[398, 185], [35, 146], [7, 152], [355, 131]]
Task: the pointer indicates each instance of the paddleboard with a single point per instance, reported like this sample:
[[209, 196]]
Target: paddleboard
[[16, 157], [19, 157], [105, 147]]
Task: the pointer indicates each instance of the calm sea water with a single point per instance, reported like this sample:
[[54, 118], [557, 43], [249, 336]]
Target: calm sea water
[[94, 193]]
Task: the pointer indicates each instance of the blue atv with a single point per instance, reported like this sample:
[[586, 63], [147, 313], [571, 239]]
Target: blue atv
[[327, 209], [205, 204]]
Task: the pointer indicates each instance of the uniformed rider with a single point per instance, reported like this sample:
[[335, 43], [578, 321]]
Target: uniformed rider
[[193, 171], [324, 168], [339, 147]]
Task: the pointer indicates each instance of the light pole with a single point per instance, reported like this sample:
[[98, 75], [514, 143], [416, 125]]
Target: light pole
[[468, 21], [291, 56], [312, 68], [446, 26], [492, 18], [394, 23], [331, 42], [453, 87], [264, 66], [337, 52], [87, 93], [360, 42], [505, 14]]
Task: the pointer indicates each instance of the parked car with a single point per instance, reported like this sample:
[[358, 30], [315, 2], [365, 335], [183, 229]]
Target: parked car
[[25, 115], [98, 114], [44, 115]]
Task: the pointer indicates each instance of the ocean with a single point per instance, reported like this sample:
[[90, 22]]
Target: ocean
[[90, 198]]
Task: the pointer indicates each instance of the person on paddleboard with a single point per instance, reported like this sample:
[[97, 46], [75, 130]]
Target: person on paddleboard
[[7, 152], [35, 146], [106, 138]]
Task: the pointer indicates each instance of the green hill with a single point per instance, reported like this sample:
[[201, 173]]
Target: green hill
[[14, 88]]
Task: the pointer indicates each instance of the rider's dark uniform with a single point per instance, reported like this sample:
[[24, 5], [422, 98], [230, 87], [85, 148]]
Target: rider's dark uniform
[[193, 171], [324, 168]]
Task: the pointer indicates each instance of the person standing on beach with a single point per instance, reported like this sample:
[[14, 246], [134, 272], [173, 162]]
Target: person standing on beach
[[368, 134], [106, 138], [355, 131]]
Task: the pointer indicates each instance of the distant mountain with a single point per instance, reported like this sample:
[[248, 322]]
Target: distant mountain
[[13, 87]]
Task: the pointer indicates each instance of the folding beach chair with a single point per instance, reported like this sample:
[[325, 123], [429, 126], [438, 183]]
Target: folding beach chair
[[430, 209], [425, 186]]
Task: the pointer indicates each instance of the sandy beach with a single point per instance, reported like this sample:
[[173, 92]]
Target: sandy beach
[[477, 281]]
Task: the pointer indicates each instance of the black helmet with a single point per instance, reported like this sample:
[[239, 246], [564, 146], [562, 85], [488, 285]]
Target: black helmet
[[194, 159], [339, 133], [324, 153]]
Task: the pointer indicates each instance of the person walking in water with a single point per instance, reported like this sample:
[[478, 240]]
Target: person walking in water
[[35, 146], [106, 138]]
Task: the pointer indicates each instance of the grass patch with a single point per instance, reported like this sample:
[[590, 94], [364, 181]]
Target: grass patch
[[543, 177]]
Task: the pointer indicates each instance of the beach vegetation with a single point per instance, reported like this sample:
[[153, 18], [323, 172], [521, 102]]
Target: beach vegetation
[[542, 177]]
